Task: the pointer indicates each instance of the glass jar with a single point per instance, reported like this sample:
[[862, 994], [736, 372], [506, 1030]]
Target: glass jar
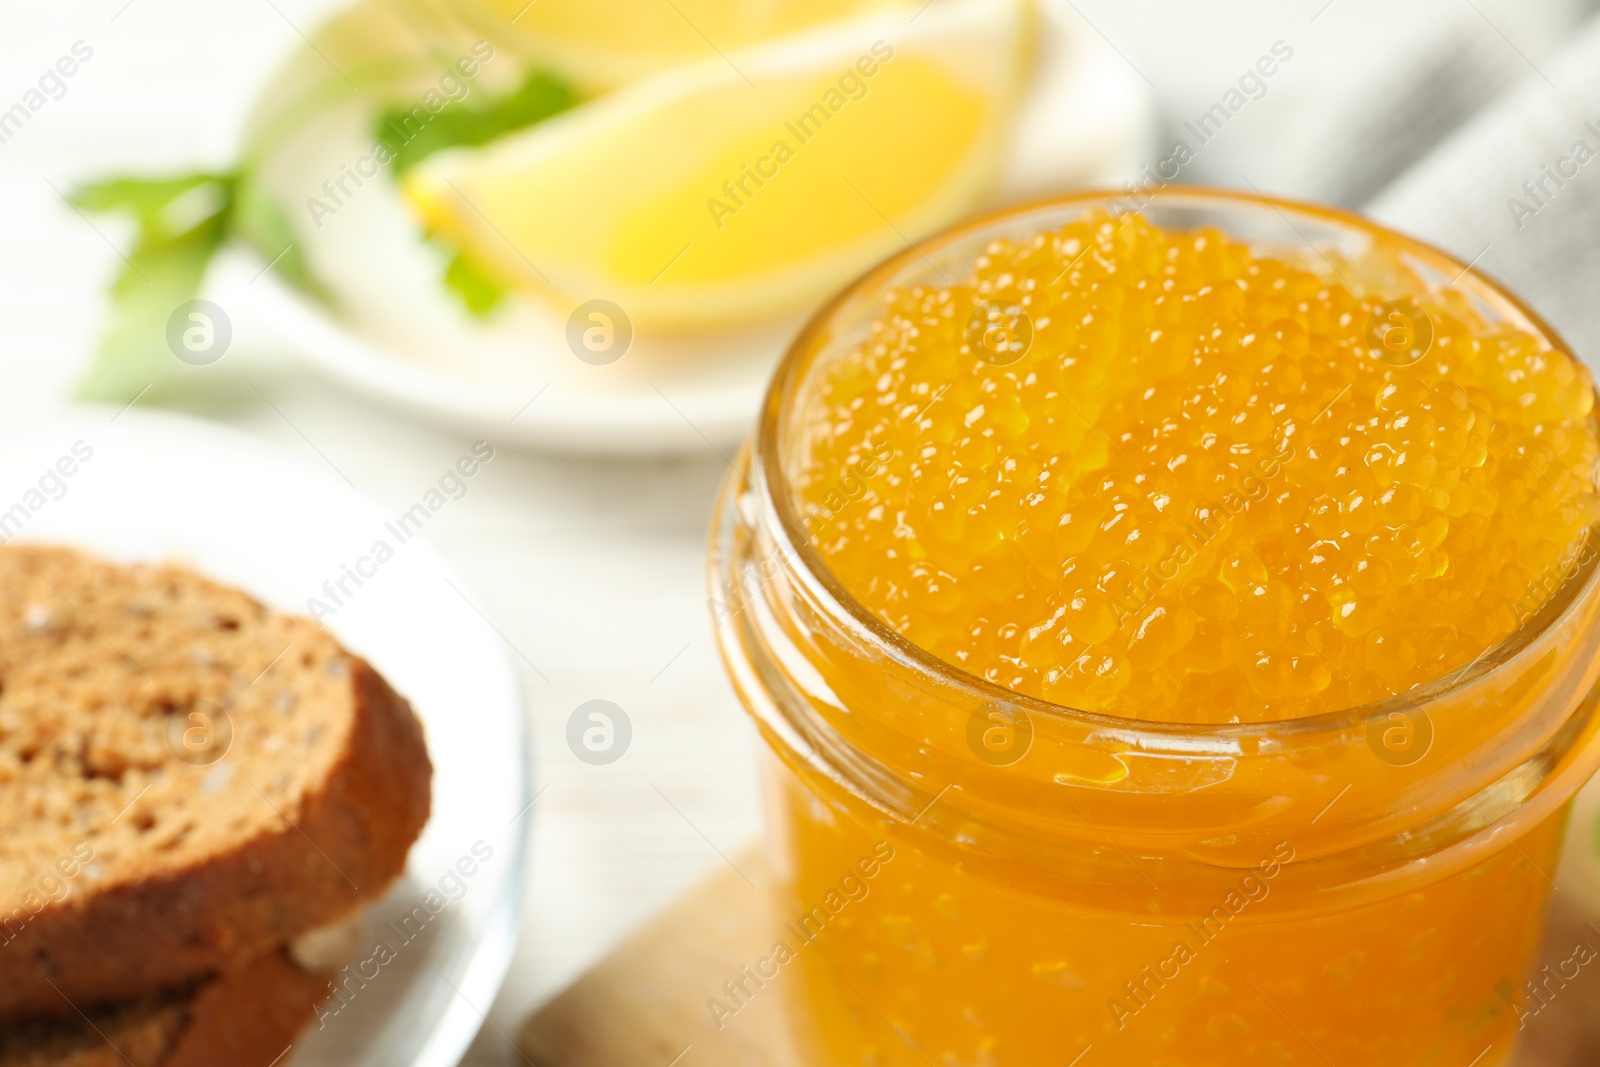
[[969, 876]]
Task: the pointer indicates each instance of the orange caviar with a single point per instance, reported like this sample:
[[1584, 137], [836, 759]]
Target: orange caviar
[[1202, 604], [1185, 484]]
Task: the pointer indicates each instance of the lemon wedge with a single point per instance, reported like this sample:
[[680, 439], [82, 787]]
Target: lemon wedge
[[599, 44], [748, 185]]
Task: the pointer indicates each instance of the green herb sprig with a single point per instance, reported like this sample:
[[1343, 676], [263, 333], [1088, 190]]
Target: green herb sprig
[[184, 220], [413, 135]]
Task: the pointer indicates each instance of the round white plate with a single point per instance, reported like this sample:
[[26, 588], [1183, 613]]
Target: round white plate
[[162, 487], [401, 339]]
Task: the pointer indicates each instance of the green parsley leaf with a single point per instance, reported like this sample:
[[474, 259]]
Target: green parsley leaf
[[261, 223], [414, 134], [183, 221], [478, 290]]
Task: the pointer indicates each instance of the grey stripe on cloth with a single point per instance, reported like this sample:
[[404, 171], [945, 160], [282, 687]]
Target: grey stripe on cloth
[[1413, 98], [1373, 86], [1509, 191]]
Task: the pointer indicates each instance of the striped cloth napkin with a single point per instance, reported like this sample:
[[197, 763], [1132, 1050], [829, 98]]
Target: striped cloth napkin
[[1473, 124], [1517, 189]]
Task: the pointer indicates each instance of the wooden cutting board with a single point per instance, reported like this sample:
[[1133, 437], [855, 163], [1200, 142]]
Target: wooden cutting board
[[644, 1005]]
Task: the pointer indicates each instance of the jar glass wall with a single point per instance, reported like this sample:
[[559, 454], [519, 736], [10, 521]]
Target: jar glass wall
[[980, 877]]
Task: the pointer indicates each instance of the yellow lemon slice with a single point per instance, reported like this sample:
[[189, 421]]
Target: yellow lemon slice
[[746, 186], [598, 44]]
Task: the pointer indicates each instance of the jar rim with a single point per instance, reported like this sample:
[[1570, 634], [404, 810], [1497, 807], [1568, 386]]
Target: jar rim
[[767, 468]]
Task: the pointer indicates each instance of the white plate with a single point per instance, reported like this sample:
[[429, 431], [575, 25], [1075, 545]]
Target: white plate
[[162, 487], [401, 339]]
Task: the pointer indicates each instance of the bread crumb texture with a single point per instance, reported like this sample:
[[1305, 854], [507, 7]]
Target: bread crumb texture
[[149, 719]]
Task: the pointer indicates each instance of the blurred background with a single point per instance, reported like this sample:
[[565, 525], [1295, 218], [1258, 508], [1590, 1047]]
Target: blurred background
[[356, 342]]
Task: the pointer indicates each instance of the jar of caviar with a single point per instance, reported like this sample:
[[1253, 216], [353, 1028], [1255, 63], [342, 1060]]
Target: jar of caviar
[[1173, 625]]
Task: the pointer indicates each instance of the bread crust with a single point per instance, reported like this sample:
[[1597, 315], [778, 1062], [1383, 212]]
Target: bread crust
[[348, 843], [246, 1018]]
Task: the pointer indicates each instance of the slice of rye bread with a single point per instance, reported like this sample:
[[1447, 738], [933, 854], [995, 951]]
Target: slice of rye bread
[[246, 1018], [125, 868]]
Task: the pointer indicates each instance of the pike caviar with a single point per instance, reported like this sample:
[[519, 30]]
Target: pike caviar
[[1158, 475]]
